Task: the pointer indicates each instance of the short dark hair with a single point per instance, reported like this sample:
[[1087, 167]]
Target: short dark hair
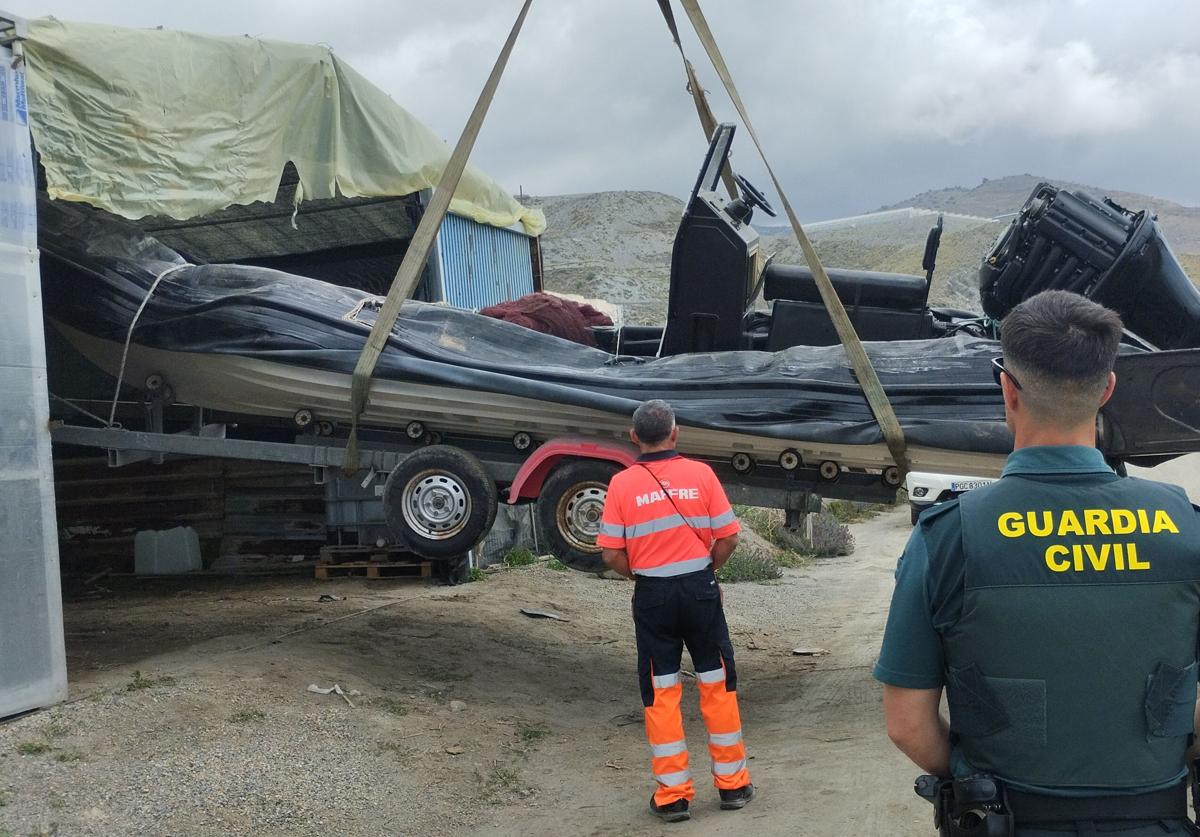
[[1061, 347], [653, 421]]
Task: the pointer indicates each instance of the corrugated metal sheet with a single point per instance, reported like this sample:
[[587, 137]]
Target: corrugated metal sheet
[[482, 265]]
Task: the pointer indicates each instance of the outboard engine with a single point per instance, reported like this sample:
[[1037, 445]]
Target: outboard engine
[[1070, 241]]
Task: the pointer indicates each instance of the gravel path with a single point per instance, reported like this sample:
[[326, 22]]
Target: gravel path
[[191, 715]]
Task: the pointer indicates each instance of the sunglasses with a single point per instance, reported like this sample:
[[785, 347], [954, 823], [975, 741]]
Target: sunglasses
[[998, 367]]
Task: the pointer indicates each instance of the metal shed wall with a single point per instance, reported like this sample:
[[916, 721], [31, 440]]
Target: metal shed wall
[[482, 265]]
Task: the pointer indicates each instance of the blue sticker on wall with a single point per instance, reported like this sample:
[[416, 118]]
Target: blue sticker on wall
[[21, 103]]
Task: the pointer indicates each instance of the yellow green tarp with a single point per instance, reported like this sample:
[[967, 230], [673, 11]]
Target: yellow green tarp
[[154, 122]]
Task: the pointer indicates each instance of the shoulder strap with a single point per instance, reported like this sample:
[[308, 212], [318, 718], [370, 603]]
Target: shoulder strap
[[667, 493]]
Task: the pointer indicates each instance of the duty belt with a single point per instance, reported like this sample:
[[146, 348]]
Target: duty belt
[[982, 805], [1039, 809]]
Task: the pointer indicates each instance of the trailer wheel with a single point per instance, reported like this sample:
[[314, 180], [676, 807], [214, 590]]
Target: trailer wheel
[[440, 501], [569, 509]]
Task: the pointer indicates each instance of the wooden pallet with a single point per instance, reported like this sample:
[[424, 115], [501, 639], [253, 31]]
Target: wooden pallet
[[363, 554], [375, 569]]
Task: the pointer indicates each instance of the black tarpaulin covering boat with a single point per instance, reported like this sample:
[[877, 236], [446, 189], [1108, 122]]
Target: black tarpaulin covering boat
[[258, 341]]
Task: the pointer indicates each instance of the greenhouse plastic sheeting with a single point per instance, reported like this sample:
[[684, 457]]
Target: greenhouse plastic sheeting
[[156, 122], [33, 668]]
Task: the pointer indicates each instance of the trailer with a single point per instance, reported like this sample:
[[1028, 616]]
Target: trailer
[[441, 490]]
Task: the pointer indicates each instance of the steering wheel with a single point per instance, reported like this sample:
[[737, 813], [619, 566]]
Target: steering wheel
[[754, 197]]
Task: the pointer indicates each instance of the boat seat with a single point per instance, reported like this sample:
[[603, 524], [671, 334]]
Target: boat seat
[[854, 287]]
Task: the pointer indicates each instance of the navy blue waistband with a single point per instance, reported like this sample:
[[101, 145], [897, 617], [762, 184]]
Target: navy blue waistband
[[707, 572]]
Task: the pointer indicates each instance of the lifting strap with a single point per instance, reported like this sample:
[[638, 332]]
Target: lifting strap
[[707, 121], [417, 254], [868, 379]]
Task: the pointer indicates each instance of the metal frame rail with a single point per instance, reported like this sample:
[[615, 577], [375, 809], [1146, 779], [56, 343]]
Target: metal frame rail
[[128, 446], [795, 491]]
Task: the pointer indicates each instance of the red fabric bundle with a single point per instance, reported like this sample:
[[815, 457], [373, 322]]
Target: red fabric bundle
[[550, 314]]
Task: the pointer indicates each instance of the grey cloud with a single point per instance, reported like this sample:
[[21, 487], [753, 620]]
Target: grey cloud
[[859, 103]]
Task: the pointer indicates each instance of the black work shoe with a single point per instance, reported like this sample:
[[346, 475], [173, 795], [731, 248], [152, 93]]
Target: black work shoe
[[731, 800], [677, 811]]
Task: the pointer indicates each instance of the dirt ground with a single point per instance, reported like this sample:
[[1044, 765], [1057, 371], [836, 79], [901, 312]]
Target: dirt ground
[[190, 714]]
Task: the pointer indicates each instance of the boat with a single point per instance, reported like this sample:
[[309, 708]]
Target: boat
[[260, 342]]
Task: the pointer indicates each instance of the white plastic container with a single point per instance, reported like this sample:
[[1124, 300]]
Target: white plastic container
[[167, 552]]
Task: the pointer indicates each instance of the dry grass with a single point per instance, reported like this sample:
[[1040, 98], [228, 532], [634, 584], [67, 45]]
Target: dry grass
[[33, 748], [749, 565]]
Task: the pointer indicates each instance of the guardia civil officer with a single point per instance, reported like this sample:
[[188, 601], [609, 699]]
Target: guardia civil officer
[[1058, 607], [668, 525]]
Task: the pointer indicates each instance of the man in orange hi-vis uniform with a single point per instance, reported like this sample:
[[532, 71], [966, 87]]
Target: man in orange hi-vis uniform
[[668, 525]]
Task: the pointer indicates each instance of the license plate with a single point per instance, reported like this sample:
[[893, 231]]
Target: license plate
[[969, 485]]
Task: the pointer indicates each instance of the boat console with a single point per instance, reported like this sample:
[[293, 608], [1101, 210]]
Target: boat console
[[712, 263]]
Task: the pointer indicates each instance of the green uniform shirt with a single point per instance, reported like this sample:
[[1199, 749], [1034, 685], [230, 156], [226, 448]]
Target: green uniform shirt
[[930, 577]]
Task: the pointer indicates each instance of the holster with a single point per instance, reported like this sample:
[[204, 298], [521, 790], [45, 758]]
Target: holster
[[969, 807]]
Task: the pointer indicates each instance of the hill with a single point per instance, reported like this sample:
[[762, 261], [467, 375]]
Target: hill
[[617, 245], [611, 245], [1007, 194]]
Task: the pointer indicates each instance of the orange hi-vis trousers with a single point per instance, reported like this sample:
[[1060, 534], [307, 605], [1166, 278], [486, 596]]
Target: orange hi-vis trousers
[[669, 613]]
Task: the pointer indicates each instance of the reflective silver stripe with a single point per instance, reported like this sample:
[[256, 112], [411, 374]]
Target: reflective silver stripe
[[661, 524], [691, 565], [724, 739], [664, 524], [715, 676], [673, 749], [672, 779], [613, 530], [728, 768], [665, 681], [723, 520]]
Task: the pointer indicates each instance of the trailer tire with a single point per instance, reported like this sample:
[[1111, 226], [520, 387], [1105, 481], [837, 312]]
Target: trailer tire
[[440, 501], [569, 508]]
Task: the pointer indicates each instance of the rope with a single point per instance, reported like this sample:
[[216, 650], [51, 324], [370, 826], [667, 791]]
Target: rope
[[417, 254], [112, 415], [98, 419], [620, 331], [868, 379], [297, 197]]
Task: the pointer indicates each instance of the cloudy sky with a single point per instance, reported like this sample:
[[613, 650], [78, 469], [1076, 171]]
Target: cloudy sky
[[859, 104]]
